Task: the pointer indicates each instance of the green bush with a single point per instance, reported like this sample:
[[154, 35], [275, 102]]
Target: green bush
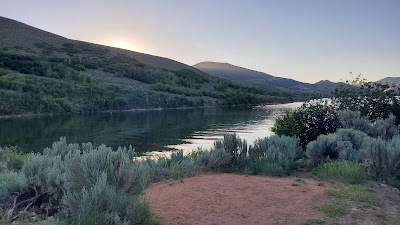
[[11, 158], [342, 171], [382, 158], [371, 99], [307, 122]]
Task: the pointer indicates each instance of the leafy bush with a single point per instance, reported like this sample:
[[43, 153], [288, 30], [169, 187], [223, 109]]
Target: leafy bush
[[345, 144], [371, 99], [275, 155], [11, 158], [307, 122], [382, 158], [343, 171]]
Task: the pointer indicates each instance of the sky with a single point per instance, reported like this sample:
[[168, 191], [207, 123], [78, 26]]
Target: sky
[[306, 40]]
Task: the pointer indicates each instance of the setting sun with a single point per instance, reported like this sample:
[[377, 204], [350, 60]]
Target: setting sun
[[124, 45]]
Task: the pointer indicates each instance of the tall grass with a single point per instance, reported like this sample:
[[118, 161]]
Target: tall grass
[[342, 171]]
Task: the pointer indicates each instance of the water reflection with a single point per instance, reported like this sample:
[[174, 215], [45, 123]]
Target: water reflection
[[145, 130]]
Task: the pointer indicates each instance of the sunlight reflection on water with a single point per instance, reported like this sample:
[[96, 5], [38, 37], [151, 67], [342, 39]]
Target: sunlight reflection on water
[[248, 130]]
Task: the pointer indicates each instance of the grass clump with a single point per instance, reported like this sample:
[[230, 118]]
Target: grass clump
[[342, 171], [334, 208], [314, 222], [353, 193]]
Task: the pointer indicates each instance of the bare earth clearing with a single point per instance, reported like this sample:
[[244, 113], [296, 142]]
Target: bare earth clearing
[[236, 199]]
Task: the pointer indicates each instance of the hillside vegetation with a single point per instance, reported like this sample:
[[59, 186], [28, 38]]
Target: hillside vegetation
[[87, 184], [42, 72]]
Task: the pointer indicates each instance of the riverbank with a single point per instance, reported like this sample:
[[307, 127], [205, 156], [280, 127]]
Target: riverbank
[[31, 115]]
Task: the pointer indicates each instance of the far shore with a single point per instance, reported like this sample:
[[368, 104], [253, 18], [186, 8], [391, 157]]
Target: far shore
[[32, 115]]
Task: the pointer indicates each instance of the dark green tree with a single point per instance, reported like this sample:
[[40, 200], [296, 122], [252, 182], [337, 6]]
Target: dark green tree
[[373, 100], [307, 122]]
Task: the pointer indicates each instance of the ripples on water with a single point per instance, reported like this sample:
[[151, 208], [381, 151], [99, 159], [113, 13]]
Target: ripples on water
[[147, 131], [249, 130]]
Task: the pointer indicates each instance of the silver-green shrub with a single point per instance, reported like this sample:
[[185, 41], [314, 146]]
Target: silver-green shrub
[[344, 144], [11, 181], [233, 145], [91, 185], [103, 203], [383, 128], [176, 166], [83, 168], [215, 159], [274, 155], [382, 158], [45, 174], [61, 148]]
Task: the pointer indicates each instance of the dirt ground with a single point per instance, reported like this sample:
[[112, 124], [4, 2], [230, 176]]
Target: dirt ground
[[236, 199]]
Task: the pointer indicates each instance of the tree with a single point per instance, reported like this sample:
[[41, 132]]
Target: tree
[[307, 122], [373, 100]]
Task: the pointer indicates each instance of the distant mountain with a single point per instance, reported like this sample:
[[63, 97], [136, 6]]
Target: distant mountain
[[41, 72], [250, 77], [390, 81]]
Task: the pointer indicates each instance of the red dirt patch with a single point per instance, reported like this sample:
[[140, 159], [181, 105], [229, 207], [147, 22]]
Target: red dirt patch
[[236, 199]]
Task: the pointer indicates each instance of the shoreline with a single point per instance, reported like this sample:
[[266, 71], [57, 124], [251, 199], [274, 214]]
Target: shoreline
[[32, 115]]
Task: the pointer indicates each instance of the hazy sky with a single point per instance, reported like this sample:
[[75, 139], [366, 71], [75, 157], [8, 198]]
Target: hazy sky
[[307, 40]]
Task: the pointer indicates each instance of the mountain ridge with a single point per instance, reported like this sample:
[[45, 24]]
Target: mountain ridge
[[243, 75], [390, 81], [41, 72]]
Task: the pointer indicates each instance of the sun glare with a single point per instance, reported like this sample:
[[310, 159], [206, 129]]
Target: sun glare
[[124, 44]]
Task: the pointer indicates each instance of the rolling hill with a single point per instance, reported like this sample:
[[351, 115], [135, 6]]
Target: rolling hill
[[260, 79], [390, 80], [41, 72]]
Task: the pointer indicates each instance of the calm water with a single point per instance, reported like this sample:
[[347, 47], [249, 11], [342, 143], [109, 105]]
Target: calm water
[[147, 131]]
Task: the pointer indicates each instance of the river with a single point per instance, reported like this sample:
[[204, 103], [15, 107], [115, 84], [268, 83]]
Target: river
[[147, 131]]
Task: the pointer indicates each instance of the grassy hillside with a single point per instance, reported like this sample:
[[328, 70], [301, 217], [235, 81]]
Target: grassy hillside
[[42, 72], [263, 80]]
